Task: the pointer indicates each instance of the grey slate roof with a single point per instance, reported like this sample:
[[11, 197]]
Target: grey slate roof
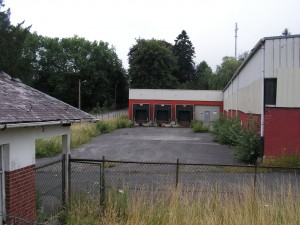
[[20, 103]]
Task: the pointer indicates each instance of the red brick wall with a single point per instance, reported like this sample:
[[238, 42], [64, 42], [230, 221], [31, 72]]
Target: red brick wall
[[20, 193], [282, 131]]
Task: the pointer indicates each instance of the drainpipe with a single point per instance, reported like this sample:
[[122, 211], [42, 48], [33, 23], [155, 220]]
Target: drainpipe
[[262, 99]]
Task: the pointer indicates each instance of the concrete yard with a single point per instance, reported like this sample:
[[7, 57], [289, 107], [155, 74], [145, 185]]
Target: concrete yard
[[156, 144]]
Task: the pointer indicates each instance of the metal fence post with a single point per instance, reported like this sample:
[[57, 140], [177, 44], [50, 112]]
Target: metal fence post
[[69, 181], [102, 188], [254, 182], [63, 181], [177, 172]]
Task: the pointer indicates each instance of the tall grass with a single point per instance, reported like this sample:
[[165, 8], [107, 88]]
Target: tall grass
[[81, 133], [191, 207]]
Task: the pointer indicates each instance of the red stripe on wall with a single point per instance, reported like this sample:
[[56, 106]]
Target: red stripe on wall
[[173, 103]]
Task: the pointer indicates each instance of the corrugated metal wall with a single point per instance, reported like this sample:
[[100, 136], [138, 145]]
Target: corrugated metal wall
[[244, 93], [281, 60]]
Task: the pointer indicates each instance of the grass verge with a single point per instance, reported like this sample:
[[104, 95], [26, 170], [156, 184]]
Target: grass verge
[[198, 207], [81, 133]]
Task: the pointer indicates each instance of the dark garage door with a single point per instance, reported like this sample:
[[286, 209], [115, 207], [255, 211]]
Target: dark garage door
[[162, 115], [184, 116], [141, 115]]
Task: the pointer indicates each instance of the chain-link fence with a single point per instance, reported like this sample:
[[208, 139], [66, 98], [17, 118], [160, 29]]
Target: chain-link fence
[[50, 189], [97, 176]]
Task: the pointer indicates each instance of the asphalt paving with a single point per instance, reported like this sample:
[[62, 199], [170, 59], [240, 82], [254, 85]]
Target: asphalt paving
[[156, 144]]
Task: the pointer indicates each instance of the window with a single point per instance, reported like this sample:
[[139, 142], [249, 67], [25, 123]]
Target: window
[[270, 91]]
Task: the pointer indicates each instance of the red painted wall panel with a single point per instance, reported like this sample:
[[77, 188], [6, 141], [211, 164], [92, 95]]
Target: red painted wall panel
[[282, 131], [173, 103]]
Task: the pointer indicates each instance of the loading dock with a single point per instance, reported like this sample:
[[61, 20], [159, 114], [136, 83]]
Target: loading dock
[[184, 114], [207, 114], [162, 113], [141, 113]]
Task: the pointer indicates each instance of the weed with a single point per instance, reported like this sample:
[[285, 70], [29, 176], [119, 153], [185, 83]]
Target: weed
[[199, 127]]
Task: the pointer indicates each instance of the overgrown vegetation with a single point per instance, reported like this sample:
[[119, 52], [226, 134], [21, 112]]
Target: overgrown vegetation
[[188, 207], [81, 133], [199, 127], [283, 161], [244, 138]]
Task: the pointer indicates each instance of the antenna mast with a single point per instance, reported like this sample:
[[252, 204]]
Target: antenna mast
[[236, 29]]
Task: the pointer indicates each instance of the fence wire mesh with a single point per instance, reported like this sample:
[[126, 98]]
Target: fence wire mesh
[[96, 176], [49, 190]]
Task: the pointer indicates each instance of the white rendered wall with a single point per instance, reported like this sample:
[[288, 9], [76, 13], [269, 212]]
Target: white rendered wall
[[176, 94], [19, 143]]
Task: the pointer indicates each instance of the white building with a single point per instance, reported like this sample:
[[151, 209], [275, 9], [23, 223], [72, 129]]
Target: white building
[[267, 85], [26, 115]]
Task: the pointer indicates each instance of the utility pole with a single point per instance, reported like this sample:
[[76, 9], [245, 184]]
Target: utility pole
[[79, 94], [236, 29]]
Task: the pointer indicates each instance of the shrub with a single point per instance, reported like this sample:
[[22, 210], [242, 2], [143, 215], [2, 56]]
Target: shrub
[[123, 122], [245, 139], [226, 130], [248, 147], [104, 127], [199, 127]]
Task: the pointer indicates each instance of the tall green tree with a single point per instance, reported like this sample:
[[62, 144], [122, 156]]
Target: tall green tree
[[185, 52], [224, 73], [59, 65], [203, 74], [152, 64], [11, 42]]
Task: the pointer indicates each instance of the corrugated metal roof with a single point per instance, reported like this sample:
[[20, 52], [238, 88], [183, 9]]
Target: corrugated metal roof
[[20, 103]]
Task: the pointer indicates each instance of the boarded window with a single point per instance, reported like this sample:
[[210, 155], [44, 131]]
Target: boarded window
[[270, 91]]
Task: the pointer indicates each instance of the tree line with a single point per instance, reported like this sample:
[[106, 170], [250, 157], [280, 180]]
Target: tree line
[[59, 66], [55, 66], [159, 64]]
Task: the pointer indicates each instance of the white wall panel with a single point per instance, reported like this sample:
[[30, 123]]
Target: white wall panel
[[21, 143], [288, 88], [283, 53], [269, 59], [290, 53], [176, 94], [296, 52], [276, 56]]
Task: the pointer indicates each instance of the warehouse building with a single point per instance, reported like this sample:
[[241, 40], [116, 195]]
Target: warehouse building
[[267, 87], [174, 106]]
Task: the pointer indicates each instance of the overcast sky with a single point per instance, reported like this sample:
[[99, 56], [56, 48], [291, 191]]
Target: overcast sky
[[210, 24]]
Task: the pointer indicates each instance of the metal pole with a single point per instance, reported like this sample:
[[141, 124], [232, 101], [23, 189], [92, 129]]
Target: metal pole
[[236, 29], [177, 172], [79, 94], [69, 181], [102, 197], [255, 175], [63, 181]]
